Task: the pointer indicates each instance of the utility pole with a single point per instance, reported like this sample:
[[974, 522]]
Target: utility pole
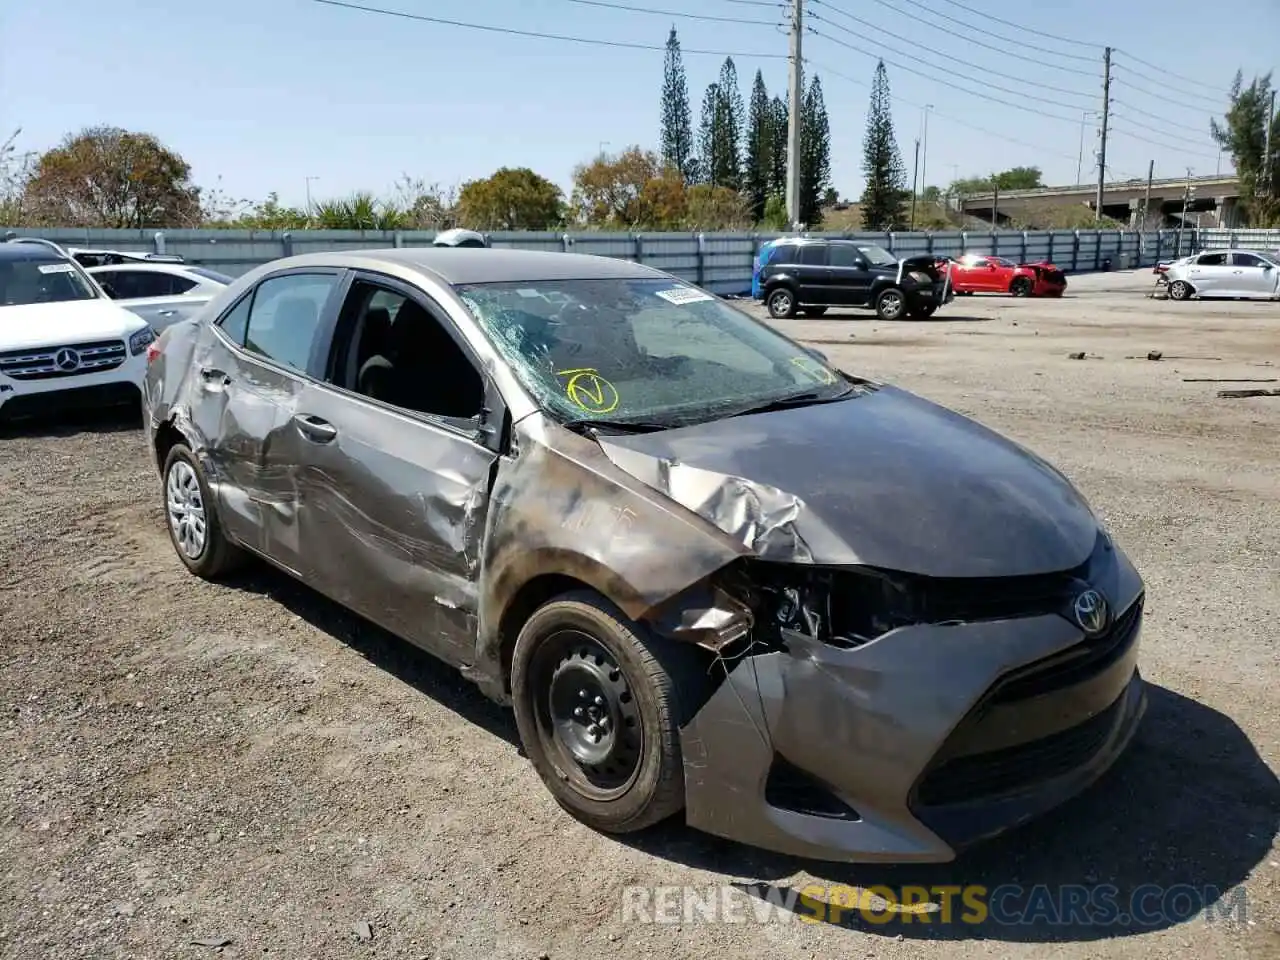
[[1146, 201], [795, 96], [309, 179], [915, 180], [1268, 162], [1182, 220], [924, 151], [1106, 117]]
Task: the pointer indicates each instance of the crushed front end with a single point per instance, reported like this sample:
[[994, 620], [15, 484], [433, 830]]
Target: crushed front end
[[865, 715]]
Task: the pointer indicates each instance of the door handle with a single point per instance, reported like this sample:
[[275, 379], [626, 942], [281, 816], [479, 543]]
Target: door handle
[[315, 429], [213, 377], [168, 313]]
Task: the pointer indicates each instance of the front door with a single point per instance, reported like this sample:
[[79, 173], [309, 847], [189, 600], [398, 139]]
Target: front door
[[258, 361], [1253, 276], [397, 468], [850, 280]]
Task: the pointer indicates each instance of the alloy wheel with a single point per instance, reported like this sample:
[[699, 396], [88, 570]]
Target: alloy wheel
[[185, 503]]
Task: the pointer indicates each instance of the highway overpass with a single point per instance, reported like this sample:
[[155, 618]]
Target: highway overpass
[[1216, 200]]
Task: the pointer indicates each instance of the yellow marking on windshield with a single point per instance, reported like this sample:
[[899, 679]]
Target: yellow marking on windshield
[[814, 369], [590, 391]]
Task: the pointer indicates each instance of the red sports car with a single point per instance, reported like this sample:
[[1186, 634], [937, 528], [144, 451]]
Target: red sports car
[[976, 273]]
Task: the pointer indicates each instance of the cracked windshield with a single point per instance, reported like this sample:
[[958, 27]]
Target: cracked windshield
[[642, 350]]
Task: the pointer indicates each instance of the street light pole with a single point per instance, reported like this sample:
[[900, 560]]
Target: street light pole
[[309, 179], [924, 150], [915, 180]]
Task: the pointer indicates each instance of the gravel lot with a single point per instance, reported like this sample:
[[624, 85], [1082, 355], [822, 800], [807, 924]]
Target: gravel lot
[[248, 763]]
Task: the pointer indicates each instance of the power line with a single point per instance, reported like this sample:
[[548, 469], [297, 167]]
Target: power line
[[1159, 119], [673, 13], [1156, 143], [1165, 95], [511, 31], [990, 33], [937, 53], [1176, 76], [973, 93], [980, 43], [1019, 26], [937, 113]]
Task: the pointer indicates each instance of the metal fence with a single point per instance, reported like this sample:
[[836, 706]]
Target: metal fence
[[721, 262]]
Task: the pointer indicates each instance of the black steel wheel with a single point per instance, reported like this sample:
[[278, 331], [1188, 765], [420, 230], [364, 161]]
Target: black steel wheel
[[598, 704]]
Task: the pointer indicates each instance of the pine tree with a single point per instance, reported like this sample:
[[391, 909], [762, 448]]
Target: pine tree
[[882, 200], [708, 135], [719, 164], [759, 153], [815, 154], [735, 121], [778, 152], [677, 118]]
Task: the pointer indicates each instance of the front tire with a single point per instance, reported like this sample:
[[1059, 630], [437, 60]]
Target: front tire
[[191, 517], [1021, 287], [1179, 290], [598, 706], [891, 304], [782, 304]]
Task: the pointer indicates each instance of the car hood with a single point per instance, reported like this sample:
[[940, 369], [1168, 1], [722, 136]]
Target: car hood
[[885, 479], [72, 321]]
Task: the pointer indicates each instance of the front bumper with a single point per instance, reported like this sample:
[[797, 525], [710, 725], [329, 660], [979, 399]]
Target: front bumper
[[120, 385], [920, 743]]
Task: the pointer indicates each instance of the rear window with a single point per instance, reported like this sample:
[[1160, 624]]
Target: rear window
[[813, 254]]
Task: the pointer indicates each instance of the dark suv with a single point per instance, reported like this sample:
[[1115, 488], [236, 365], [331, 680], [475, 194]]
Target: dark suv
[[795, 275]]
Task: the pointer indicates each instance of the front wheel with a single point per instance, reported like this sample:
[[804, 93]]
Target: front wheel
[[1180, 290], [598, 706], [1021, 287], [891, 304], [782, 304]]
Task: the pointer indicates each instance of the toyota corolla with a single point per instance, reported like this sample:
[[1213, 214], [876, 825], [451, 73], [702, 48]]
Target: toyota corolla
[[714, 575]]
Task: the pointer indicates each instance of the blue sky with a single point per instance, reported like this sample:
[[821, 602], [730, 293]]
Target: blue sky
[[266, 93]]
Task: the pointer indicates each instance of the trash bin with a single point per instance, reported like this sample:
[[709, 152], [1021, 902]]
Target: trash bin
[[1122, 261]]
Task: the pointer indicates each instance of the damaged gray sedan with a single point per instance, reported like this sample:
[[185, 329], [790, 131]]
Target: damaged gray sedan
[[711, 573]]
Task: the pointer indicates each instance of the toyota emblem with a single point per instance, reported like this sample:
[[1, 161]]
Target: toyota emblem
[[1090, 609], [66, 360]]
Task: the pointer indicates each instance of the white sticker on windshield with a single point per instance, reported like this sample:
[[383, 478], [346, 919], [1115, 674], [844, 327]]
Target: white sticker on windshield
[[526, 292], [683, 295], [56, 268]]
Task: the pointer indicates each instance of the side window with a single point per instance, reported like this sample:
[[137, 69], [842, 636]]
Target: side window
[[843, 255], [1213, 259], [783, 253], [236, 323], [980, 262], [1247, 260], [401, 354], [109, 278], [284, 318], [813, 254], [178, 284]]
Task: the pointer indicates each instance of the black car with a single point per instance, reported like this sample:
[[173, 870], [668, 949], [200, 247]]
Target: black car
[[795, 275]]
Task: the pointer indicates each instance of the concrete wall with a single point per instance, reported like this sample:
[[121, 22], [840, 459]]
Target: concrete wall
[[719, 261]]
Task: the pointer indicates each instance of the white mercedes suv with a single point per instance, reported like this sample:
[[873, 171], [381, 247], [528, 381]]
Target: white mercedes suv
[[63, 342]]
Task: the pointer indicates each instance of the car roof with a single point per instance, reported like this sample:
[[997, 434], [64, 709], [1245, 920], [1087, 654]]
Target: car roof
[[462, 265], [139, 265], [26, 250]]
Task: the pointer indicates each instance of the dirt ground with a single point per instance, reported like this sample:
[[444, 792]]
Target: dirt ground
[[247, 763]]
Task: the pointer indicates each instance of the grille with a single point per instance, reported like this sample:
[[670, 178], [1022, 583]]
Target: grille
[[1006, 771], [1075, 665], [41, 363]]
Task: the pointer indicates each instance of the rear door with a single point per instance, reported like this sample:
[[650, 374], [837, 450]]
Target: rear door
[[811, 272], [1210, 274], [262, 355], [398, 453], [849, 278], [157, 296]]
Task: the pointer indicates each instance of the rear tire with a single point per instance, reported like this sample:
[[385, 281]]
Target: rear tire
[[923, 312], [599, 702], [891, 304], [1021, 287], [1180, 290], [782, 304], [191, 517]]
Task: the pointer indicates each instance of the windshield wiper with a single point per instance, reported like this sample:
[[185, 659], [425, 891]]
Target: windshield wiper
[[809, 397], [628, 426]]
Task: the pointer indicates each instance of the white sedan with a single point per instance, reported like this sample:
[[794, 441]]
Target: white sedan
[[160, 293], [1245, 274]]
